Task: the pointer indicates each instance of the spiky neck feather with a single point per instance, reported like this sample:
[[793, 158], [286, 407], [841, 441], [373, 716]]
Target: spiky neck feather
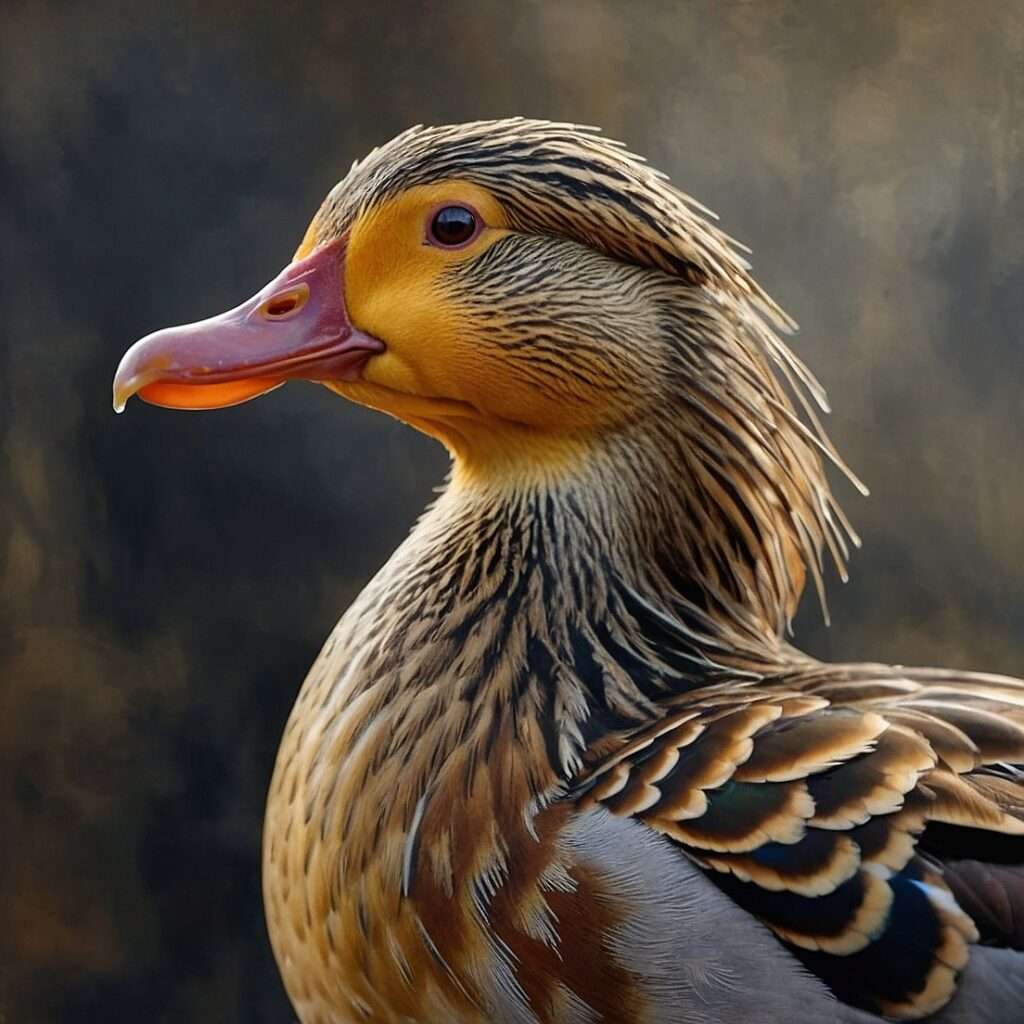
[[712, 487], [567, 603]]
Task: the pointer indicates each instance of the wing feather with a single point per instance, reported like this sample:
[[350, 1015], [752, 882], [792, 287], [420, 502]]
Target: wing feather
[[808, 798]]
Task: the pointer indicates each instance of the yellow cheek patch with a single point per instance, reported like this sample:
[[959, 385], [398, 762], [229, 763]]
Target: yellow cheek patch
[[443, 371], [393, 286]]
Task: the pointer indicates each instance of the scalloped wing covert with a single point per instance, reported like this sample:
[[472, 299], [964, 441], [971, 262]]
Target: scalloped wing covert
[[834, 804]]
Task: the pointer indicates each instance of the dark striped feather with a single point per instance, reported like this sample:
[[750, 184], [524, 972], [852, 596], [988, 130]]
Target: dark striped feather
[[831, 823]]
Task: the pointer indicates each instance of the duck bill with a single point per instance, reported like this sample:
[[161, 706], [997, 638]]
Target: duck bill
[[295, 328]]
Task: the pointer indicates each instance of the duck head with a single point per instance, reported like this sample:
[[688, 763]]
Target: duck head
[[534, 296]]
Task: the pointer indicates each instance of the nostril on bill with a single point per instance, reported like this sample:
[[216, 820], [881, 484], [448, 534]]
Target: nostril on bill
[[284, 304]]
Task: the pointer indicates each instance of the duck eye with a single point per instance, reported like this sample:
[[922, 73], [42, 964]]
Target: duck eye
[[453, 226]]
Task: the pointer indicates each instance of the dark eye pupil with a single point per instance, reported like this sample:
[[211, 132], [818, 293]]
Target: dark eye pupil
[[453, 225]]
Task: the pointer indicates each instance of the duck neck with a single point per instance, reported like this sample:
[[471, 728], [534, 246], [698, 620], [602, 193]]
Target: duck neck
[[563, 607]]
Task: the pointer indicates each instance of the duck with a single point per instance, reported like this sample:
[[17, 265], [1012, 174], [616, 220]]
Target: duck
[[561, 760]]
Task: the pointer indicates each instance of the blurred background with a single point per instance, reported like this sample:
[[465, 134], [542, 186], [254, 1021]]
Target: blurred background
[[166, 579]]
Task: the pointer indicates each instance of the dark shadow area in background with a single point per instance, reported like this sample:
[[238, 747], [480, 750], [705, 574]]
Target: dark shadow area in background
[[167, 578]]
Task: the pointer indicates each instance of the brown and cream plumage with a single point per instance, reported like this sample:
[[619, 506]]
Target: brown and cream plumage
[[559, 762]]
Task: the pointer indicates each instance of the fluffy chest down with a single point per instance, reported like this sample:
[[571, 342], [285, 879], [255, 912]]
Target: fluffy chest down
[[570, 917], [423, 862]]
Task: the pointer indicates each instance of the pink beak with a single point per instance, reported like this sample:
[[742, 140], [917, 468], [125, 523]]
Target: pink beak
[[296, 327]]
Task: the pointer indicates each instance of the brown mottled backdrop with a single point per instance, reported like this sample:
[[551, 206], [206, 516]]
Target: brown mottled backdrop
[[167, 578]]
